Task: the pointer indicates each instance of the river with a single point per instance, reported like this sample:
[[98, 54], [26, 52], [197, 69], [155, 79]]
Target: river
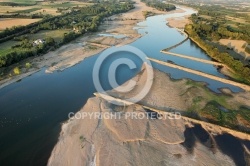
[[32, 109]]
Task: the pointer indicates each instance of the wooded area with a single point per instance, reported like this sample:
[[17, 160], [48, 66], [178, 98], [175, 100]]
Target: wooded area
[[159, 5], [213, 23], [85, 19]]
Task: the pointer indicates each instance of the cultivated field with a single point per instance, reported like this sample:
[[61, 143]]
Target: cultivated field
[[34, 7], [237, 45], [10, 22], [30, 7]]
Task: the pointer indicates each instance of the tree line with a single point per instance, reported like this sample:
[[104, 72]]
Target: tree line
[[13, 4], [216, 28], [159, 5], [84, 20], [213, 51]]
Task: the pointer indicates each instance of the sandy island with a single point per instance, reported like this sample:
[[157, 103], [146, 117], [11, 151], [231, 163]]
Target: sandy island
[[146, 141]]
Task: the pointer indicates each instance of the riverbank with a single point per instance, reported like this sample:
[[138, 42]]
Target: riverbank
[[178, 22], [197, 72], [212, 128], [89, 140], [172, 142], [226, 69], [76, 51]]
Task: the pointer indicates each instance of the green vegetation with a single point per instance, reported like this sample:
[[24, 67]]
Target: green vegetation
[[147, 14], [18, 3], [16, 71], [159, 5], [58, 35], [27, 10], [75, 23], [217, 114], [247, 49], [213, 23], [236, 65], [28, 65], [215, 108], [60, 5], [235, 119], [6, 47], [219, 25], [38, 9]]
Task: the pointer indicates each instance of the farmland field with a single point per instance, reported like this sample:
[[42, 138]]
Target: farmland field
[[38, 7], [10, 22], [27, 10], [22, 2]]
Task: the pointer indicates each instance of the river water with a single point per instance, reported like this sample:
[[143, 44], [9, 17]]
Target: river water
[[32, 109]]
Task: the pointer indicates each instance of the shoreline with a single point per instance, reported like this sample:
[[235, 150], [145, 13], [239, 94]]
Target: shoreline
[[78, 136], [197, 72], [76, 51], [227, 71], [210, 127]]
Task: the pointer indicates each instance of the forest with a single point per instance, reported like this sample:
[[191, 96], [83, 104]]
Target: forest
[[159, 5], [216, 22], [224, 57], [81, 21]]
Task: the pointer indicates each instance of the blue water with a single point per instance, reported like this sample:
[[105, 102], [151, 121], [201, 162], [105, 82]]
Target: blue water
[[32, 110], [159, 36]]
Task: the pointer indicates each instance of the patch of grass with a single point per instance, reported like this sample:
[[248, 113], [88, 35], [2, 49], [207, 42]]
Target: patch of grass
[[6, 47], [147, 14], [18, 2], [92, 47], [245, 113], [82, 138], [56, 34], [214, 112], [28, 65], [27, 10], [64, 4]]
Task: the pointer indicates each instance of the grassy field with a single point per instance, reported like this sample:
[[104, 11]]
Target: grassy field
[[22, 2], [6, 46], [215, 108], [26, 10], [56, 34], [63, 4], [10, 22]]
